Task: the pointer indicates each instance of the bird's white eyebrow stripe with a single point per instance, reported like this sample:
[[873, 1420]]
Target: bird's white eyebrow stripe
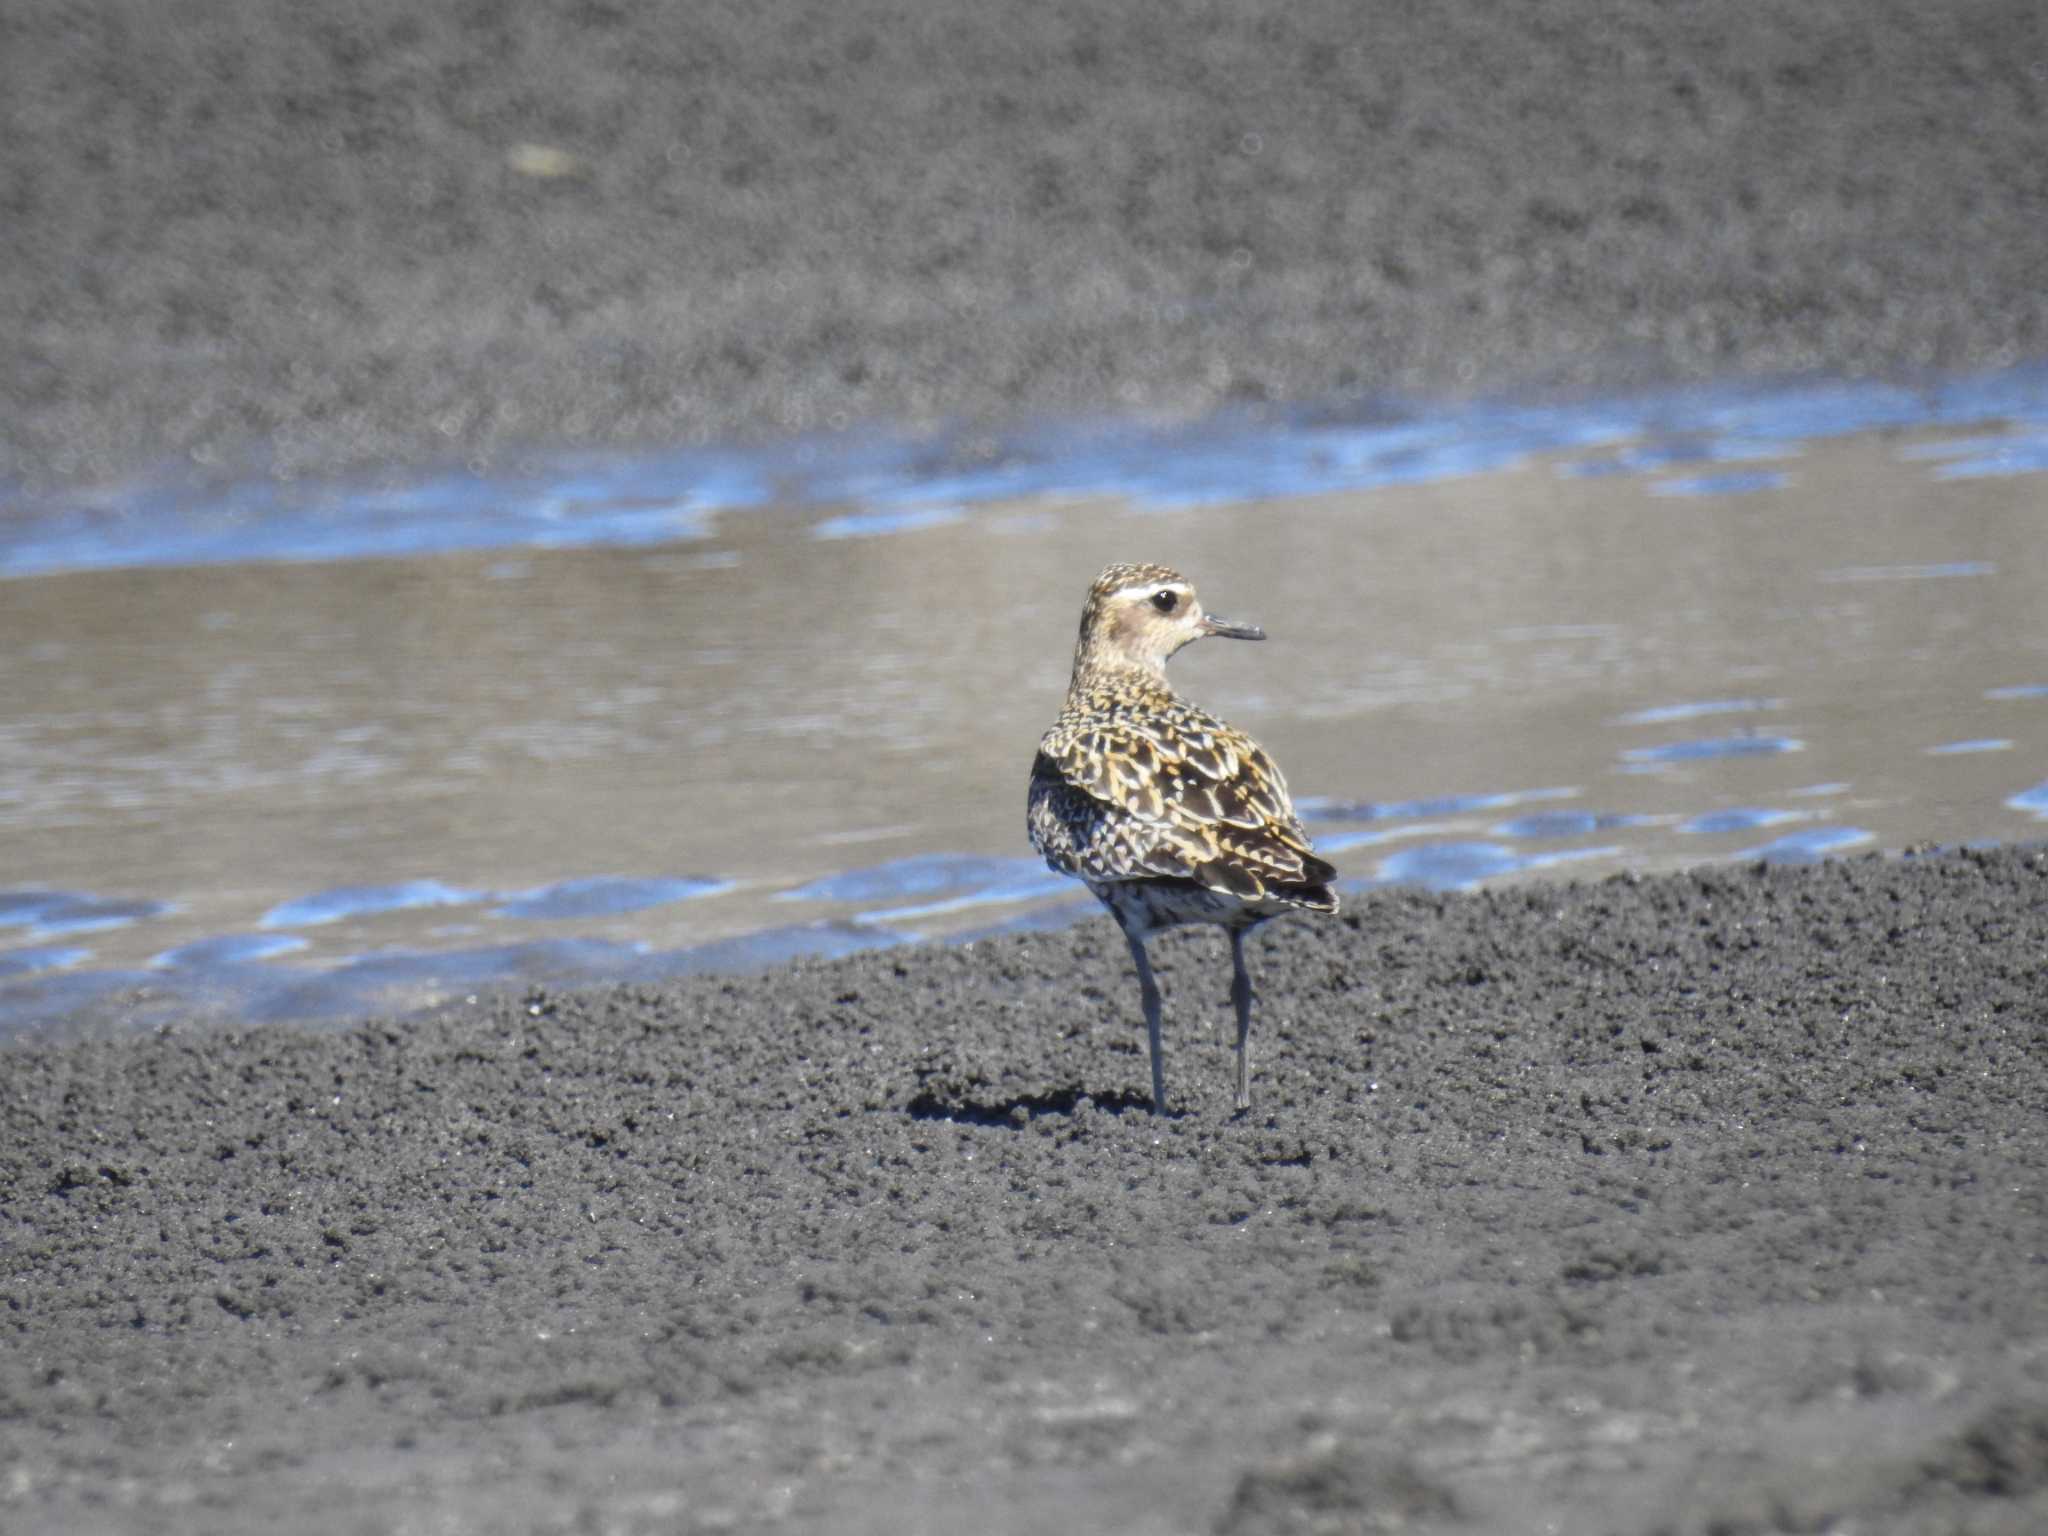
[[1147, 588]]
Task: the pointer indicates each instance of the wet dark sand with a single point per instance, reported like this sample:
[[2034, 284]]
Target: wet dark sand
[[315, 236], [1702, 1203]]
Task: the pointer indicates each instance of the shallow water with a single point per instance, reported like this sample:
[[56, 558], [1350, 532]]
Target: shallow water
[[788, 707]]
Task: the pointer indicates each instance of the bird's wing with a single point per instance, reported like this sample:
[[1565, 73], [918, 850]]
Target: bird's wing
[[1180, 794]]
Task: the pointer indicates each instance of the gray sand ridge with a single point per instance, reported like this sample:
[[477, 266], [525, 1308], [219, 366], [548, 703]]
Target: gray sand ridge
[[313, 236]]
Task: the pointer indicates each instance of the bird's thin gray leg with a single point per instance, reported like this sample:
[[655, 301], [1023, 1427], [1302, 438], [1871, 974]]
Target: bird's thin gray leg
[[1149, 990], [1241, 996]]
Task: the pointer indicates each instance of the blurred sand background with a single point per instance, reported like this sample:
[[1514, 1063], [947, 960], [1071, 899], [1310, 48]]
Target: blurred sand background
[[308, 236]]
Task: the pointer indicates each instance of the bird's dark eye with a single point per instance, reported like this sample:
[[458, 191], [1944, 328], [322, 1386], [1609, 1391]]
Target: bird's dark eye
[[1166, 601]]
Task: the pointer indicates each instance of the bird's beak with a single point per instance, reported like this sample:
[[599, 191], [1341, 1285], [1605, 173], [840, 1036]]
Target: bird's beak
[[1211, 625]]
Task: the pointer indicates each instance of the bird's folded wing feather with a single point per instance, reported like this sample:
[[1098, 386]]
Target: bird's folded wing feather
[[1187, 796]]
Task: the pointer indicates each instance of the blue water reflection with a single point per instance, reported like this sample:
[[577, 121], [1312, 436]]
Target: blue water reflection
[[864, 525], [46, 914], [1319, 808], [1807, 846], [1665, 714], [1734, 482], [1555, 824], [894, 485], [605, 896], [49, 957], [1739, 819], [1964, 748], [231, 949], [365, 900], [1461, 865], [1712, 747], [569, 501], [232, 987], [931, 884], [2023, 451]]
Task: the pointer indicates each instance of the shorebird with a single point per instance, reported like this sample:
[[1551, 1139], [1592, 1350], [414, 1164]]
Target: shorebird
[[1167, 814]]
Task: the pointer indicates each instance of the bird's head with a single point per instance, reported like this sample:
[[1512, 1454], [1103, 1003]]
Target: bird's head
[[1138, 615]]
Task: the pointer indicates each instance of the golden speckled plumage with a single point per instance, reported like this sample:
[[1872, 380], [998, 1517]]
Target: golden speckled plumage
[[1141, 785], [1167, 813]]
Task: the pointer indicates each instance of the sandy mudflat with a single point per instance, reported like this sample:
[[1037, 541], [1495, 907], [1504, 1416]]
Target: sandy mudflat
[[1708, 1203], [1702, 1203], [312, 235]]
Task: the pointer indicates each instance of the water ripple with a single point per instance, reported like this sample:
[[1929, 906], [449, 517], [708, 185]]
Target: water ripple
[[1740, 819], [53, 957], [1807, 847], [1317, 808], [1554, 824], [1665, 714], [931, 884], [898, 484], [1712, 747], [230, 949], [605, 896], [1459, 866], [864, 525], [1735, 482], [46, 914], [365, 900]]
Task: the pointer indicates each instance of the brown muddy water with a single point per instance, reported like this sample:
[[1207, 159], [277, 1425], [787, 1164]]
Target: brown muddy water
[[312, 789]]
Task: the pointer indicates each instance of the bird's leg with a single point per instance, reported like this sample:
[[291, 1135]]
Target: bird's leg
[[1241, 997], [1148, 989]]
